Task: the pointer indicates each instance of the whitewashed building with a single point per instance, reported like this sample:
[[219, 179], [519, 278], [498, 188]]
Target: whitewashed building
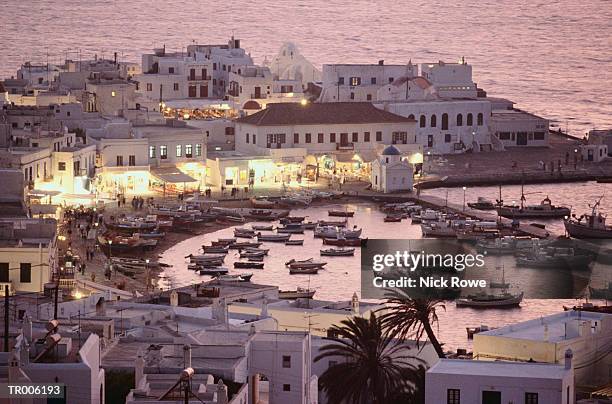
[[251, 88], [451, 80], [290, 64], [603, 137], [359, 82], [391, 173], [457, 381], [546, 339], [514, 128], [595, 153]]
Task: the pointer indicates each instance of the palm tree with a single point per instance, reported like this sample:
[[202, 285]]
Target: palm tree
[[408, 317], [371, 367]]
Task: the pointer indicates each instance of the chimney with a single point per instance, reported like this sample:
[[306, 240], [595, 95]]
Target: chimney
[[355, 304], [139, 370], [568, 359], [381, 62]]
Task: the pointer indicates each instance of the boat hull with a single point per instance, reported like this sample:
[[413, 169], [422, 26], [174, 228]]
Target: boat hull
[[581, 231]]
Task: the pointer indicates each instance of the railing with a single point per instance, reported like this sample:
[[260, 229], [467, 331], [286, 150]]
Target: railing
[[259, 96], [198, 78], [345, 146]]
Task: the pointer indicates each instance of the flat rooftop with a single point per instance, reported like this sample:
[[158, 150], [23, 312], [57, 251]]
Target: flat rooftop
[[498, 369], [512, 115], [533, 330]]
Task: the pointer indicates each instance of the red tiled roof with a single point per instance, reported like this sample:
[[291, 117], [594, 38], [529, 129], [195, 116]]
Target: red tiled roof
[[321, 113]]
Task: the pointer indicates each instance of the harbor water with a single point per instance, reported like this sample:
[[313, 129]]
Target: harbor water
[[341, 276]]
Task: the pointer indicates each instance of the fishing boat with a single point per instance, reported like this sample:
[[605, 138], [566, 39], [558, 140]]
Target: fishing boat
[[603, 293], [291, 228], [258, 258], [202, 257], [262, 215], [336, 232], [115, 244], [305, 264], [244, 244], [265, 251], [508, 244], [299, 293], [491, 300], [544, 210], [244, 233], [438, 229], [304, 271], [213, 271], [554, 257], [343, 242], [341, 213], [263, 227], [248, 264], [295, 242], [292, 219], [252, 254], [234, 278], [214, 249], [334, 223], [138, 262], [262, 202], [594, 225], [338, 252], [309, 225], [227, 240], [279, 238], [590, 307], [392, 218], [482, 203]]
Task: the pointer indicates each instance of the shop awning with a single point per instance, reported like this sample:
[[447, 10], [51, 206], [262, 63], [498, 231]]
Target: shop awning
[[43, 192], [172, 175]]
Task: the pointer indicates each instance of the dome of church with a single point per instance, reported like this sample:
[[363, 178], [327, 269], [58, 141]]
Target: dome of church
[[391, 151]]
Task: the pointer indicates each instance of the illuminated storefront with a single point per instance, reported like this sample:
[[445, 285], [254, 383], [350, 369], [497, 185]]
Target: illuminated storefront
[[197, 109], [113, 181]]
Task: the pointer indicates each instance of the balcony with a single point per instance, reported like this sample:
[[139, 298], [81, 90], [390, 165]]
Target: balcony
[[345, 146], [259, 96], [198, 78]]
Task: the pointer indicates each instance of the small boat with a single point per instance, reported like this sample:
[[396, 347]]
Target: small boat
[[392, 218], [590, 307], [305, 264], [259, 258], [244, 244], [555, 257], [299, 293], [295, 242], [491, 301], [234, 278], [220, 243], [291, 228], [304, 271], [227, 240], [213, 271], [309, 225], [248, 264], [438, 229], [292, 219], [336, 232], [279, 238], [544, 210], [482, 204], [335, 223], [235, 219], [342, 242], [338, 252], [252, 254], [341, 213], [265, 251], [594, 225], [262, 227], [244, 233], [212, 249], [262, 202]]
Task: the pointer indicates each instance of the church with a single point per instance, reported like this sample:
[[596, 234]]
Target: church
[[391, 173]]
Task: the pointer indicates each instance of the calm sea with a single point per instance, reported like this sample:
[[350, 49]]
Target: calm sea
[[551, 57]]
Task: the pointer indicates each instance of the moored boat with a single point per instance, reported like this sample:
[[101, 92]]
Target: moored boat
[[263, 227], [279, 238], [248, 264], [291, 228], [338, 252], [491, 300], [392, 218], [304, 271], [341, 213], [213, 271], [594, 225], [344, 242], [336, 232], [299, 293], [213, 249], [295, 242], [482, 204], [305, 264]]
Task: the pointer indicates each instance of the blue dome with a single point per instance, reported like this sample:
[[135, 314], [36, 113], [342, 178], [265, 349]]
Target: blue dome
[[391, 151]]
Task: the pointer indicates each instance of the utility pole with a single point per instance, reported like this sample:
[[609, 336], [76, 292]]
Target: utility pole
[[6, 318]]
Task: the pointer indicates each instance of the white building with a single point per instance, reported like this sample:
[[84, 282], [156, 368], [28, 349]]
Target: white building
[[391, 173], [290, 64], [251, 88], [594, 152], [601, 137], [451, 80], [588, 335], [457, 381], [518, 128], [359, 82], [109, 95], [28, 254]]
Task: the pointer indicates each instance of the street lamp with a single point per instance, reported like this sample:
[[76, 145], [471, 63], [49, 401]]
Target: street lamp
[[110, 251], [464, 189], [147, 274]]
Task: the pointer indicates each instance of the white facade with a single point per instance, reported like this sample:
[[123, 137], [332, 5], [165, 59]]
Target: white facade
[[358, 82], [447, 126], [453, 80], [109, 97], [391, 173], [595, 153], [588, 335], [457, 381], [73, 167], [28, 254], [290, 64], [603, 137], [260, 85], [519, 128]]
